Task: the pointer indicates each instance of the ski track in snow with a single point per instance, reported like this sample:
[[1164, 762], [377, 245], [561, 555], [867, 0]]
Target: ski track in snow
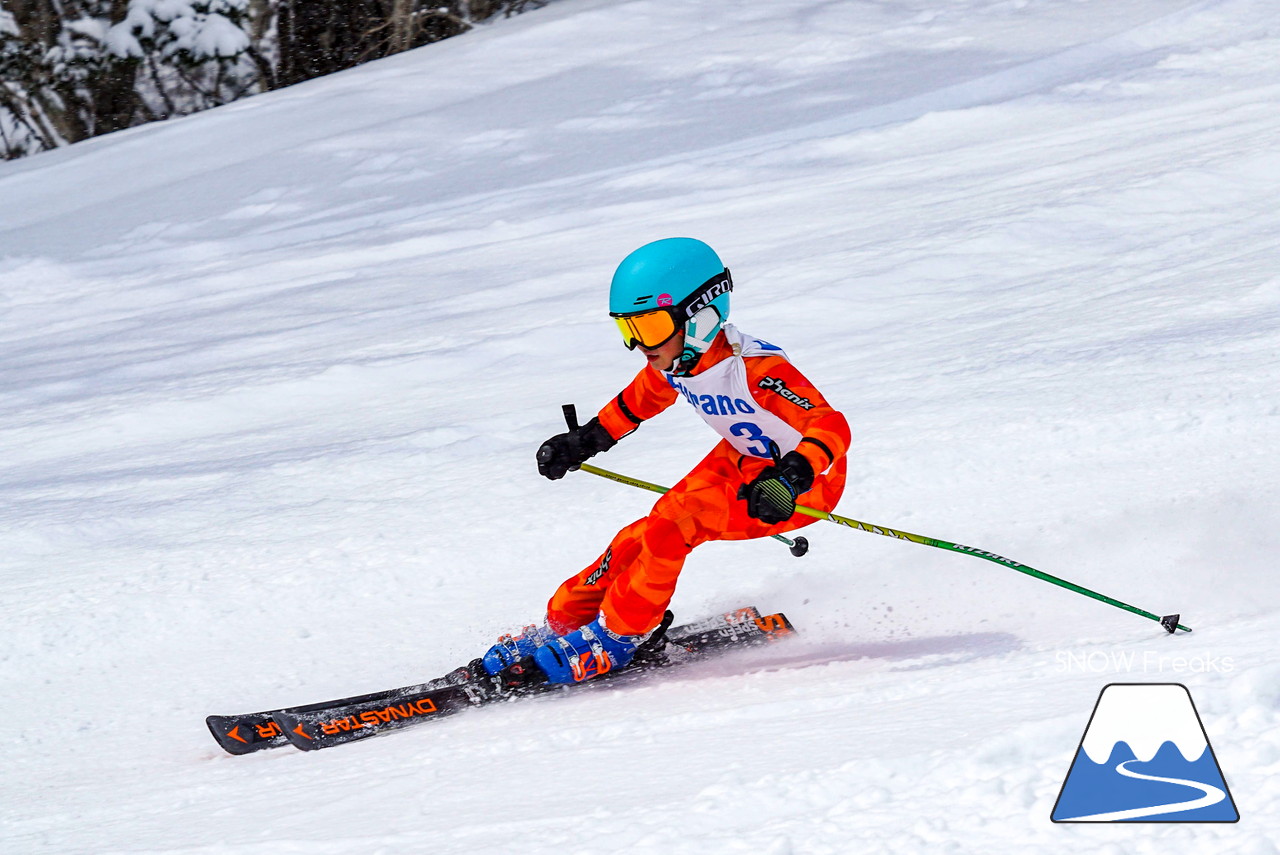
[[274, 374]]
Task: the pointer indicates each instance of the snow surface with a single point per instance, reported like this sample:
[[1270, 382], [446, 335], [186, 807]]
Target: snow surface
[[274, 375]]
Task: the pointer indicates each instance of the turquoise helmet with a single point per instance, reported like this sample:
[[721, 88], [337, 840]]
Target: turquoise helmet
[[679, 277]]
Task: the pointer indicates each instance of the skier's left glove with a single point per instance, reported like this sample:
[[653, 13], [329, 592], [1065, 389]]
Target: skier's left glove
[[568, 450], [771, 495]]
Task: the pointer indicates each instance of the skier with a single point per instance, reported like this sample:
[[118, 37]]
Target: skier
[[780, 441]]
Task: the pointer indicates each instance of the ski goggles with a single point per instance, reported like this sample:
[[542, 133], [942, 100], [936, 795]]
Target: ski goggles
[[656, 327], [650, 329]]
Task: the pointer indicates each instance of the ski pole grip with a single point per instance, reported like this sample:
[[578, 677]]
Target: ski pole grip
[[570, 416]]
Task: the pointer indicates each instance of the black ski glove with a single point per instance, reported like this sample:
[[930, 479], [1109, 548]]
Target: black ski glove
[[568, 450], [771, 495]]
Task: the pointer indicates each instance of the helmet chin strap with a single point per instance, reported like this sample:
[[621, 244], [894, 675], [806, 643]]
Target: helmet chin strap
[[699, 331]]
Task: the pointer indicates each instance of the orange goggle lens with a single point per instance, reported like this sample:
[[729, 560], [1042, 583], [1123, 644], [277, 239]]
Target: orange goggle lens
[[651, 329]]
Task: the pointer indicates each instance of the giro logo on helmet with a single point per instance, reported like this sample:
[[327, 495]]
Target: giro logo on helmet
[[718, 287]]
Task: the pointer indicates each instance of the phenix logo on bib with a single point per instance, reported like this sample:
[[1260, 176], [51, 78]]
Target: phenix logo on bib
[[777, 384]]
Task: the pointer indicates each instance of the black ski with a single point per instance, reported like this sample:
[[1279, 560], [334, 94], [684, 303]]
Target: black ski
[[335, 722]]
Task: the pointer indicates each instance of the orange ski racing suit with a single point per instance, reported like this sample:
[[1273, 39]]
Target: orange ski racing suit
[[750, 393]]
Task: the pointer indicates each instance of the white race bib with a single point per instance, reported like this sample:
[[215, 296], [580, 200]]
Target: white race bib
[[723, 399]]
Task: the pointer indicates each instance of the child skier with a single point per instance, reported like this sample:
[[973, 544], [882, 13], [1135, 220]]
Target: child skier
[[781, 441]]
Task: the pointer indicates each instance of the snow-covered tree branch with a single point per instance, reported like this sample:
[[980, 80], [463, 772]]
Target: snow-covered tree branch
[[72, 69]]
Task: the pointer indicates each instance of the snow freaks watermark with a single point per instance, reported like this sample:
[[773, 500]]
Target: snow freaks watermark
[[1145, 757], [1139, 662]]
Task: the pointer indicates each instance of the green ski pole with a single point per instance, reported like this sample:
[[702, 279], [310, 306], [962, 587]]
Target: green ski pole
[[1169, 622]]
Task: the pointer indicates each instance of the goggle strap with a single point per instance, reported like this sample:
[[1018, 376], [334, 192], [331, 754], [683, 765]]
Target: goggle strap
[[721, 283]]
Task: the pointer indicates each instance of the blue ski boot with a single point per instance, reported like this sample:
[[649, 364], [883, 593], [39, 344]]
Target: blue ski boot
[[511, 649], [586, 653]]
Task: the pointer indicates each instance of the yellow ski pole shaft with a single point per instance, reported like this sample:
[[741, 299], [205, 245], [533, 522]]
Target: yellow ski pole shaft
[[799, 546]]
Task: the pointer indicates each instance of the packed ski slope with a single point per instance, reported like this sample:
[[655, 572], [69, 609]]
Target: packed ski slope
[[274, 376]]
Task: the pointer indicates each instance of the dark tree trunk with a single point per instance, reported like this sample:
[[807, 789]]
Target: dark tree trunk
[[112, 102], [319, 37]]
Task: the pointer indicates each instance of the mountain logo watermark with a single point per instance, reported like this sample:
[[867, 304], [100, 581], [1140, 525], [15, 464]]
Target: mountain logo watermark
[[1145, 757]]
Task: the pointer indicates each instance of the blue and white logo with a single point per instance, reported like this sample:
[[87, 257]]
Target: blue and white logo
[[1145, 757]]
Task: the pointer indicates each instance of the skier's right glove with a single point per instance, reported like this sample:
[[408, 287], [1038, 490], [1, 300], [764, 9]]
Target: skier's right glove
[[570, 449]]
